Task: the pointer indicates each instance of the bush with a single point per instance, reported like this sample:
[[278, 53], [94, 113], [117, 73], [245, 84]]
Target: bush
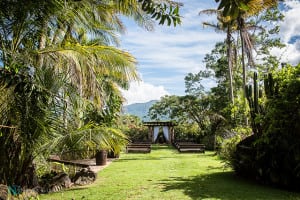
[[229, 144], [187, 132], [133, 127], [274, 156]]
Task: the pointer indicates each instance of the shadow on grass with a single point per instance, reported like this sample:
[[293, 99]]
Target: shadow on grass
[[225, 186]]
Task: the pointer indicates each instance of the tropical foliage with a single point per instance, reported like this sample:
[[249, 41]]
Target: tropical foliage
[[62, 70], [258, 156], [273, 156], [254, 120], [133, 128], [61, 78]]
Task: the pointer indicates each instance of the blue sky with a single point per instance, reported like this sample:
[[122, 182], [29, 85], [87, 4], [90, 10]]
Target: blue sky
[[167, 54]]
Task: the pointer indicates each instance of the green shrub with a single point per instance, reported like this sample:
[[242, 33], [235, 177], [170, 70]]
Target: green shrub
[[133, 128], [228, 145], [274, 156]]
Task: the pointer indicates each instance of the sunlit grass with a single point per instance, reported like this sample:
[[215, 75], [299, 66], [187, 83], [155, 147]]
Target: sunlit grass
[[166, 174]]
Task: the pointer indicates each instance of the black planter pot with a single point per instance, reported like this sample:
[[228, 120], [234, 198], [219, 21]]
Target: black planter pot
[[101, 157]]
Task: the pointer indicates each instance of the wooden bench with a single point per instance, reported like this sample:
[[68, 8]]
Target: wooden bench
[[177, 144], [190, 147], [138, 148]]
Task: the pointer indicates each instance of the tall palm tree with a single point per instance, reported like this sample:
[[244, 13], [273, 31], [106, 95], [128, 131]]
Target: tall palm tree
[[238, 11], [30, 108], [228, 26]]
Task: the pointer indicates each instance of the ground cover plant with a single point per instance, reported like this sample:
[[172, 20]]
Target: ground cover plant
[[167, 174]]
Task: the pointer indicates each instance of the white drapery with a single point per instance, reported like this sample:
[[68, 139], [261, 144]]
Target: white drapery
[[166, 132], [156, 130]]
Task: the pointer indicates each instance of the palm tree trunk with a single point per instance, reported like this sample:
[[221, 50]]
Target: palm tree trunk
[[243, 65], [240, 23], [229, 56], [27, 175], [42, 43]]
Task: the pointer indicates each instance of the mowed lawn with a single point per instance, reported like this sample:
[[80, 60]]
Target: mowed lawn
[[167, 174]]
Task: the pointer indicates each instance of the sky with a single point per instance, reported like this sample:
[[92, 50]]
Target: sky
[[167, 54]]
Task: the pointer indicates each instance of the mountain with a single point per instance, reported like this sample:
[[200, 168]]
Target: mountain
[[139, 109]]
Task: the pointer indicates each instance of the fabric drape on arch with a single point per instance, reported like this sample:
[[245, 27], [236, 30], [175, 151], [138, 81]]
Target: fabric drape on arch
[[166, 132], [155, 130]]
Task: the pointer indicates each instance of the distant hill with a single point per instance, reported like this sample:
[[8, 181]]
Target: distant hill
[[139, 109]]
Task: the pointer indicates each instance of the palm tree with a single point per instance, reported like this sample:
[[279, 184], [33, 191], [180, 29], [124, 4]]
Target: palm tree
[[45, 47], [28, 109], [238, 11], [224, 25]]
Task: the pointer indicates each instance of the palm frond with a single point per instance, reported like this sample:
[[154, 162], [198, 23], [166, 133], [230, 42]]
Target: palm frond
[[256, 6]]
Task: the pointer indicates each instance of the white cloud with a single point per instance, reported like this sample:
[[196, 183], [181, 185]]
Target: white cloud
[[291, 25], [167, 54], [141, 92], [290, 54], [290, 33]]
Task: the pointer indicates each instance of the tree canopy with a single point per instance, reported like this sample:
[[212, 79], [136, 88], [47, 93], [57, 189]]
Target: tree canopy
[[61, 74]]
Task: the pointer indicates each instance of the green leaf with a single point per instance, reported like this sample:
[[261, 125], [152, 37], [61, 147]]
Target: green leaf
[[176, 11], [171, 10], [154, 15], [144, 5], [174, 20], [223, 4], [169, 20], [243, 6], [158, 16], [153, 10], [163, 19], [226, 10], [234, 13]]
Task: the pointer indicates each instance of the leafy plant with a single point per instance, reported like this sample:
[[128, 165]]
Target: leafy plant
[[273, 156], [26, 112], [165, 11], [133, 128]]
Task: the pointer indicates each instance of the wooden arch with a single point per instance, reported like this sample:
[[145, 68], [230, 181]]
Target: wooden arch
[[168, 124]]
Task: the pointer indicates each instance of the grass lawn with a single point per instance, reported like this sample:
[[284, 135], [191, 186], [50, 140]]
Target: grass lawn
[[166, 174]]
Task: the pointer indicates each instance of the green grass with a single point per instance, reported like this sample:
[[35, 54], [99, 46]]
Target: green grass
[[166, 174]]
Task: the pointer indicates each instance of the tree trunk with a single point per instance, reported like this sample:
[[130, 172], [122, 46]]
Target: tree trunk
[[229, 57], [27, 175], [42, 44], [240, 23], [16, 166]]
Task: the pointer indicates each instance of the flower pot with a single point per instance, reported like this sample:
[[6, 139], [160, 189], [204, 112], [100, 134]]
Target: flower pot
[[101, 157]]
